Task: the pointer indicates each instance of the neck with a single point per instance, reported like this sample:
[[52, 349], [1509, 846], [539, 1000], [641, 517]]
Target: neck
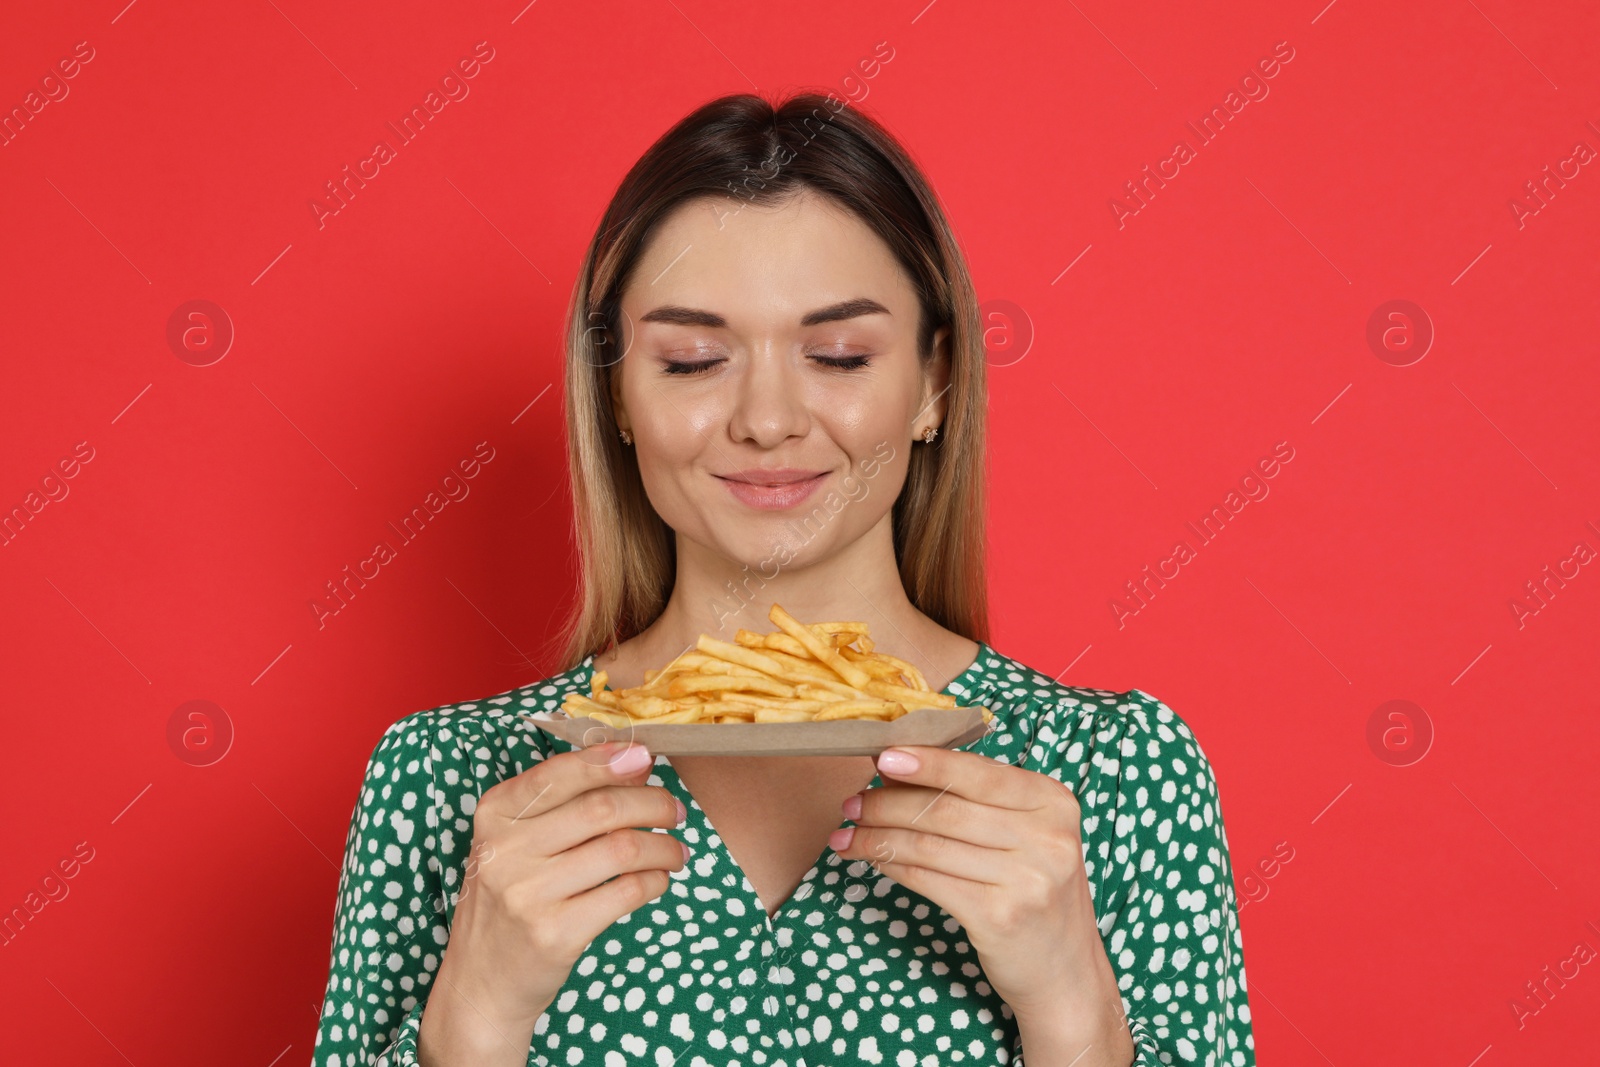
[[716, 596]]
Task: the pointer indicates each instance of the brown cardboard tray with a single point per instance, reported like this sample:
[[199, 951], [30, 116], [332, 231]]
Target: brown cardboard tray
[[944, 727]]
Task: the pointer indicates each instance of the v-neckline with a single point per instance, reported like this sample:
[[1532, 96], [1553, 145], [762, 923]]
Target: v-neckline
[[697, 815]]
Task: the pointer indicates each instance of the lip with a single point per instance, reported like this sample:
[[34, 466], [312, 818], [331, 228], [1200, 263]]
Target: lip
[[772, 490]]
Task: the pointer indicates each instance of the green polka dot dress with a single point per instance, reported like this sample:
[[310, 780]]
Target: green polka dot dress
[[854, 968]]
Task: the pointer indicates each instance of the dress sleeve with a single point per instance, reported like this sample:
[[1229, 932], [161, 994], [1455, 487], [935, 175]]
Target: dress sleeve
[[389, 920], [1157, 858]]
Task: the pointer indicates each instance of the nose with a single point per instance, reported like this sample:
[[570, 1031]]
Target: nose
[[769, 404]]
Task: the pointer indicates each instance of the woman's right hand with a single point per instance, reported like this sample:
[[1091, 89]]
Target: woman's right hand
[[532, 900]]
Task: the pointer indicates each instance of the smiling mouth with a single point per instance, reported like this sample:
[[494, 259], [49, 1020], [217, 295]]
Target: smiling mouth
[[770, 495]]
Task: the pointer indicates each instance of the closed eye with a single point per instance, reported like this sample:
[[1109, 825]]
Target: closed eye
[[674, 366], [844, 362]]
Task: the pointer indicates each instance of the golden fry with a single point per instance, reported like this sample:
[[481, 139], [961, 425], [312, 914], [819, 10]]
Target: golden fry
[[732, 668], [726, 706], [701, 682], [855, 709], [839, 689], [793, 665], [737, 654], [808, 691], [826, 653], [647, 707], [748, 700], [782, 642], [909, 670], [877, 666], [579, 706], [910, 697], [782, 715], [891, 665], [692, 713]]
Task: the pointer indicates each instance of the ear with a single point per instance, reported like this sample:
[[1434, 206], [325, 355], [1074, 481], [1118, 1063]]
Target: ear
[[935, 381], [613, 375]]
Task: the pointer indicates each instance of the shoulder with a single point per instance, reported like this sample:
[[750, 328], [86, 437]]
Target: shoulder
[[1077, 732], [483, 738]]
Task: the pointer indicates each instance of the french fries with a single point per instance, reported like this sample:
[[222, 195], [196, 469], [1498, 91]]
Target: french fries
[[817, 672]]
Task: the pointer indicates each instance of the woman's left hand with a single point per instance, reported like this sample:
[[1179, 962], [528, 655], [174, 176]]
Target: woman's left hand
[[1000, 848]]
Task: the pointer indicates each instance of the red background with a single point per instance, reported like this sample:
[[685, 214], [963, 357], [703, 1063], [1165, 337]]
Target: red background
[[1228, 314]]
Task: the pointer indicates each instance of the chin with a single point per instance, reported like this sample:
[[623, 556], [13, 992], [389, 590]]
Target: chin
[[777, 543]]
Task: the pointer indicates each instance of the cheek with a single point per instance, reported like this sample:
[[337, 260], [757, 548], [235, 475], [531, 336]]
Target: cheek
[[675, 431], [859, 419], [671, 442], [869, 420], [667, 451], [673, 422]]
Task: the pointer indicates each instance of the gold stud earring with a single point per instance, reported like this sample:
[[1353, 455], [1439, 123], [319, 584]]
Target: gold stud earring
[[627, 438], [929, 434]]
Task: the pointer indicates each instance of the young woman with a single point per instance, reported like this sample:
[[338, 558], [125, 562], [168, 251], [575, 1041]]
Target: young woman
[[775, 393]]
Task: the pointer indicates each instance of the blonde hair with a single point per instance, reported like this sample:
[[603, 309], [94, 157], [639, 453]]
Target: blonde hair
[[764, 153]]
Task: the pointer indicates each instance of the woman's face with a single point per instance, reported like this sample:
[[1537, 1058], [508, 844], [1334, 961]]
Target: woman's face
[[771, 380]]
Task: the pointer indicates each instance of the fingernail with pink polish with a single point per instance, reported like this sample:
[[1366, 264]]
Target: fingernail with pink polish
[[631, 759], [898, 761], [852, 806]]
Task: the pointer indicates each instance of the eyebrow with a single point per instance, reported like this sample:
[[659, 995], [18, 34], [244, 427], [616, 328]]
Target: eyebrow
[[677, 315]]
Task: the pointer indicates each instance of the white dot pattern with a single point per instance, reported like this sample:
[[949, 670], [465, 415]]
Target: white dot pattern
[[854, 968]]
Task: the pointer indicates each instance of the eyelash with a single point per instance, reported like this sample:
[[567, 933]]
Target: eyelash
[[842, 363], [676, 367], [846, 362]]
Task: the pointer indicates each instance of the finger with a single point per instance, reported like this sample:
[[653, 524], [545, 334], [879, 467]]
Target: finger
[[953, 893], [937, 811], [884, 845], [600, 811], [966, 774], [588, 915], [556, 779], [578, 870]]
